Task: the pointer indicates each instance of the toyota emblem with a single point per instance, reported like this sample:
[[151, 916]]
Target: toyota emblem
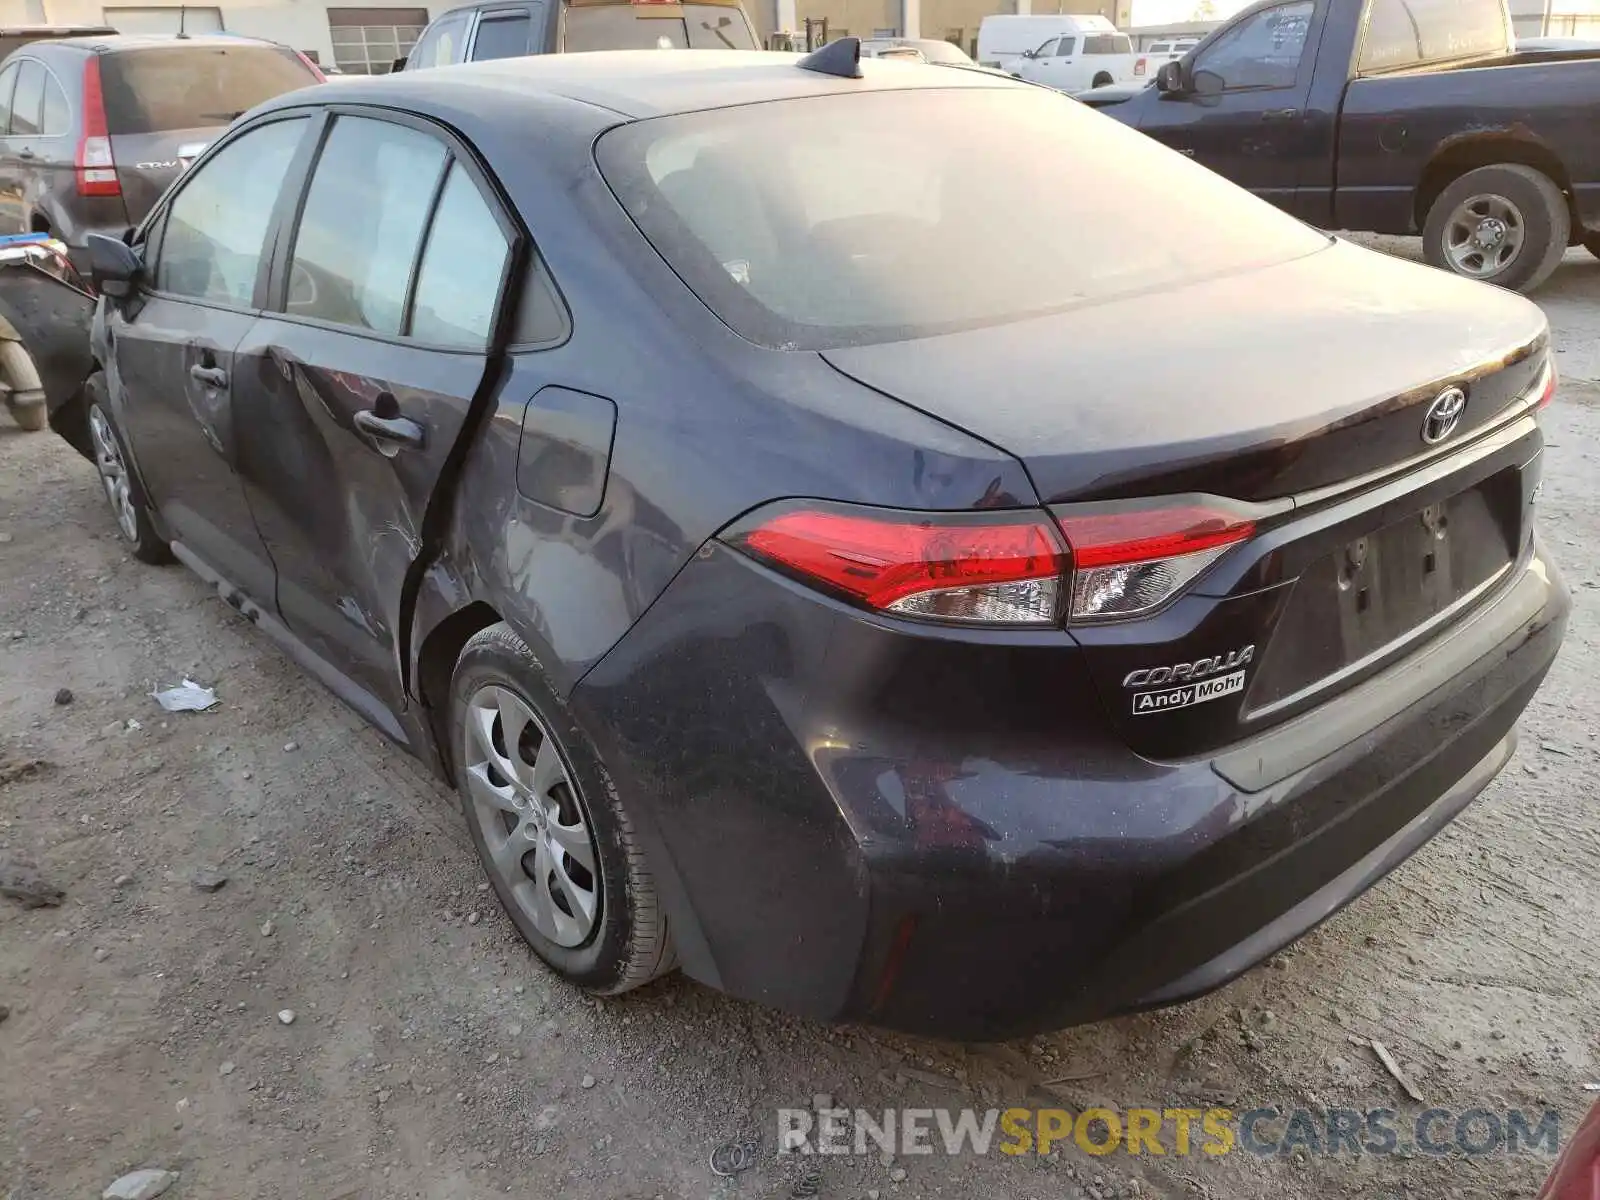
[[1444, 414]]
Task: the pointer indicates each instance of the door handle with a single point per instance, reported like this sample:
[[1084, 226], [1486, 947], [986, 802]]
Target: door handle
[[391, 433], [1281, 114], [210, 376]]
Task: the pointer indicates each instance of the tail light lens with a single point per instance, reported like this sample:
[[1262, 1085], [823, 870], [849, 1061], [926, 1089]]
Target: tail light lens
[[994, 568], [1545, 385], [97, 171], [997, 568], [316, 71], [1140, 67], [1127, 564]]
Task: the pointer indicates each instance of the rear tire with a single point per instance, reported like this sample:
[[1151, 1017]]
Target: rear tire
[[1591, 243], [535, 794], [119, 481], [1507, 225], [31, 417]]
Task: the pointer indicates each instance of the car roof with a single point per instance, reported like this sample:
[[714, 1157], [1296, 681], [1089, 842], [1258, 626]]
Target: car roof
[[114, 42], [640, 83], [47, 30]]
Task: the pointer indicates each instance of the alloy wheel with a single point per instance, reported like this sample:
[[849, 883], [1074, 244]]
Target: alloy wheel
[[113, 474], [1484, 236], [532, 817]]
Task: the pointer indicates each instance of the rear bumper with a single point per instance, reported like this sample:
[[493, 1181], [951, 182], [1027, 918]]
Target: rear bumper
[[942, 835]]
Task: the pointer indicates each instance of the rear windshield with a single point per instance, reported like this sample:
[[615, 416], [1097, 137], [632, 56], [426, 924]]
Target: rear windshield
[[1409, 33], [193, 87], [1108, 43], [667, 27], [843, 220]]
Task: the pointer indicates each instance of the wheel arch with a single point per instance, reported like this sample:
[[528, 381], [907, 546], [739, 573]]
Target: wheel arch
[[436, 665], [1455, 158]]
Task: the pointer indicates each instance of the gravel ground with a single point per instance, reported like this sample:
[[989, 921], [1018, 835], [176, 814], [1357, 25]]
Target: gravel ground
[[429, 1056]]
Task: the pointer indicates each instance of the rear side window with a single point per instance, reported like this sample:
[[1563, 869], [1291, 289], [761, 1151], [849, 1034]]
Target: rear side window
[[216, 226], [57, 116], [1408, 33], [363, 223], [501, 37], [630, 27], [1107, 43], [28, 99], [169, 88], [462, 269]]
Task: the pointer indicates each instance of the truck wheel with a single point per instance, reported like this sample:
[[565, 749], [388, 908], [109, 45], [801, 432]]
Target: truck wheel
[[553, 834], [28, 416], [1591, 243], [1508, 225]]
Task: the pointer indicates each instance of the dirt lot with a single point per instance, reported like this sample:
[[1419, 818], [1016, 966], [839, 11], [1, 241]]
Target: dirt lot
[[429, 1056]]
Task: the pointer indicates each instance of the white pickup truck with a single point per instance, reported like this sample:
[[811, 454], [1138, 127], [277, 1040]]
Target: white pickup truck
[[1079, 53]]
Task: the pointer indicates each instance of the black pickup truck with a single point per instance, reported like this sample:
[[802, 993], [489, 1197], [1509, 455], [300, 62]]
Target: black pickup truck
[[1393, 116]]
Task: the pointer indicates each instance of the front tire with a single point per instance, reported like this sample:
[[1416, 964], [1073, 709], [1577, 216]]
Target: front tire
[[121, 486], [551, 832], [1507, 225]]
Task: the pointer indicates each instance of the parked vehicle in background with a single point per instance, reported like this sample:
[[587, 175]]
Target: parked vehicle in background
[[931, 50], [594, 466], [1393, 116], [95, 128], [1153, 56], [887, 49], [15, 37], [514, 28], [1089, 54]]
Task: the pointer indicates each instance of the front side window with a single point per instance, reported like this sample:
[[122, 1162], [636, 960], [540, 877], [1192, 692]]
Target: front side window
[[216, 226], [1262, 52], [8, 84], [458, 285], [363, 222], [28, 99], [842, 220], [501, 37]]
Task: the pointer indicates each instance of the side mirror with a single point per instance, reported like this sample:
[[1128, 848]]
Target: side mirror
[[399, 64], [1169, 79], [114, 266]]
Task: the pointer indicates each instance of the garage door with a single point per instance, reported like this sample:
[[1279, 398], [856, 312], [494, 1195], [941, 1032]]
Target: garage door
[[164, 19]]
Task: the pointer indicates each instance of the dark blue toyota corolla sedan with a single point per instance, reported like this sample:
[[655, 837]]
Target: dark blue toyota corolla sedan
[[888, 540]]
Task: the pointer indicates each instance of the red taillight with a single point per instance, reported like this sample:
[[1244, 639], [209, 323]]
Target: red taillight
[[1547, 385], [97, 171], [1128, 563], [1140, 67], [315, 70], [985, 568]]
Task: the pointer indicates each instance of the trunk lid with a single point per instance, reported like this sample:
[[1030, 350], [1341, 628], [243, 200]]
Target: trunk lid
[[1300, 392], [1256, 385]]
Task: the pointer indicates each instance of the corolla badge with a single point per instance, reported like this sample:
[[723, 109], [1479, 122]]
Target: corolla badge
[[1443, 415]]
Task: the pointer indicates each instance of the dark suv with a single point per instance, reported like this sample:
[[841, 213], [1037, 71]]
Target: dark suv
[[514, 28], [93, 129]]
